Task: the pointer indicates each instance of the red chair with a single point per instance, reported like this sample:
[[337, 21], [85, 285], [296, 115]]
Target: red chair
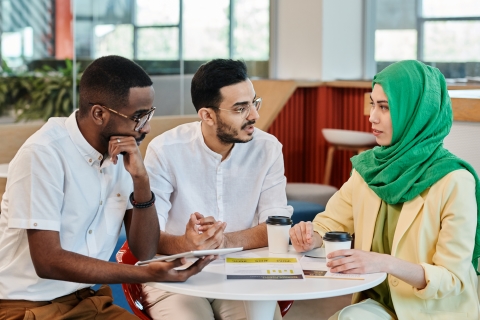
[[133, 291]]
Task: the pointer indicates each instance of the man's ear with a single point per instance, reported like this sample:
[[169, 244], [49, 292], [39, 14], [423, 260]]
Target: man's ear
[[208, 116], [98, 115]]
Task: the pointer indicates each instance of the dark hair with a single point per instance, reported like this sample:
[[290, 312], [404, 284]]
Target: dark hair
[[108, 80], [211, 77]]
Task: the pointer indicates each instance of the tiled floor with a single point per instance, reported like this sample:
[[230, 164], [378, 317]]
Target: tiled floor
[[319, 309]]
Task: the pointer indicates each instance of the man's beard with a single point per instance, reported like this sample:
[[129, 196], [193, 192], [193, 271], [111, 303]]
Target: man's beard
[[227, 135]]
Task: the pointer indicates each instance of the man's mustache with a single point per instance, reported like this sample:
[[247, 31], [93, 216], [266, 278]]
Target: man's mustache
[[248, 123], [140, 139]]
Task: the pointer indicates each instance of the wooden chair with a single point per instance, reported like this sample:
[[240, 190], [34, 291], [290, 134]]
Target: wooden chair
[[133, 291], [356, 141]]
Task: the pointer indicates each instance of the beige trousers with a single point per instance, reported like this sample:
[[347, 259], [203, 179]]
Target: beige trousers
[[83, 304], [366, 309], [161, 304]]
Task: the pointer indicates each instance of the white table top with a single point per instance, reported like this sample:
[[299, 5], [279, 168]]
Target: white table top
[[212, 283], [3, 170]]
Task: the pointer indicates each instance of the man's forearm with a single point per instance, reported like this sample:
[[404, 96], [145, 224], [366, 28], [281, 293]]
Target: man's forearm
[[171, 244], [53, 262], [252, 238], [144, 229], [73, 267]]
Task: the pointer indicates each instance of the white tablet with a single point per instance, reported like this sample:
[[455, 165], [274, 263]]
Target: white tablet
[[192, 254]]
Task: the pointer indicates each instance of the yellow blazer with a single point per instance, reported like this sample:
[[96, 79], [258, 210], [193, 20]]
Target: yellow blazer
[[436, 230]]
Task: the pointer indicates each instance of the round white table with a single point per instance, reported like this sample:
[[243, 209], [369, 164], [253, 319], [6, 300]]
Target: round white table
[[3, 170], [260, 296]]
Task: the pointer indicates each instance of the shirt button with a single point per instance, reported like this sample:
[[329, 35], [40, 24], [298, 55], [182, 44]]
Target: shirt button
[[89, 160], [118, 194], [90, 231], [100, 170], [101, 202], [100, 158], [35, 224]]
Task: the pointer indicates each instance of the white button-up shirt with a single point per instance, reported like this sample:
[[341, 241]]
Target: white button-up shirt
[[187, 176], [56, 182]]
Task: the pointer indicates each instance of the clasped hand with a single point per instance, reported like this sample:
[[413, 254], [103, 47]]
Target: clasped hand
[[203, 233]]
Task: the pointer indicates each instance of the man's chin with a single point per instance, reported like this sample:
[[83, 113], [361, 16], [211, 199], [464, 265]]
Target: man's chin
[[247, 139]]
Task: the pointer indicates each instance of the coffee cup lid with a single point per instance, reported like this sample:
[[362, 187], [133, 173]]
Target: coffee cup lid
[[337, 236], [279, 220]]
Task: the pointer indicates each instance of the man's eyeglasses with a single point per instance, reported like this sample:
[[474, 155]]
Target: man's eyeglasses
[[140, 120], [244, 111]]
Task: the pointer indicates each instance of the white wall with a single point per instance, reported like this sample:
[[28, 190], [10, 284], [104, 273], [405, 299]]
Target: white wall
[[317, 39], [297, 45], [462, 142], [342, 34]]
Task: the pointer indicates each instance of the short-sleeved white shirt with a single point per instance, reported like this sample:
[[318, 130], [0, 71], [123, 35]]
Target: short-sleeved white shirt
[[56, 182], [187, 176]]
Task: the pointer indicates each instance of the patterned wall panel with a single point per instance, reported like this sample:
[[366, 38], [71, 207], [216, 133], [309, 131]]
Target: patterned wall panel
[[289, 129], [299, 128]]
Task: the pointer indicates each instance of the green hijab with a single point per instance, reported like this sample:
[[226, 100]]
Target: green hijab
[[421, 113]]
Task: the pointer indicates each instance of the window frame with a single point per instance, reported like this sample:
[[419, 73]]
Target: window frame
[[421, 20]]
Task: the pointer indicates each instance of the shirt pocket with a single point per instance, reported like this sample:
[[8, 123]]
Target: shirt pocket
[[114, 213]]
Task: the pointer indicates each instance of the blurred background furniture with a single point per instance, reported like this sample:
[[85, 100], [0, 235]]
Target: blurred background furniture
[[3, 170], [308, 199], [355, 141]]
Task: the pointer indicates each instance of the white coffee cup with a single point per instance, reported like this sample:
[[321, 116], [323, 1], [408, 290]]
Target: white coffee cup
[[336, 240], [278, 228]]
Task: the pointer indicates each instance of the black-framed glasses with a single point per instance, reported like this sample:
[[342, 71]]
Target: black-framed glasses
[[140, 120], [244, 111]]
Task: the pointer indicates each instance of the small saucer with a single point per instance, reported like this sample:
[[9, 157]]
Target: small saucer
[[316, 253]]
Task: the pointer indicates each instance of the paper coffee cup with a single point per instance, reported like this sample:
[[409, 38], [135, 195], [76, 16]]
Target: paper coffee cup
[[336, 240], [278, 228]]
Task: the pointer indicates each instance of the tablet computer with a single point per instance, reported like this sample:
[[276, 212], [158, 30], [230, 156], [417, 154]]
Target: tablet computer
[[192, 254]]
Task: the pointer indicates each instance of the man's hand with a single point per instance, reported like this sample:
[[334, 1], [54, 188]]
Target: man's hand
[[358, 261], [132, 158], [164, 271], [204, 223], [303, 237], [210, 237]]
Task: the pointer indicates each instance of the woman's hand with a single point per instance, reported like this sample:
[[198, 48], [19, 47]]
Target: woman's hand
[[303, 237], [358, 261]]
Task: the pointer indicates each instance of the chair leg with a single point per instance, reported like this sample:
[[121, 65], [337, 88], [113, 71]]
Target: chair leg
[[328, 165], [360, 150]]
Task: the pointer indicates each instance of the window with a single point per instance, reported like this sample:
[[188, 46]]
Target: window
[[161, 34], [25, 32], [442, 33]]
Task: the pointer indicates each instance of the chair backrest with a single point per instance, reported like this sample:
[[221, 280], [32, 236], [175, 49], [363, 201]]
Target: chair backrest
[[132, 291]]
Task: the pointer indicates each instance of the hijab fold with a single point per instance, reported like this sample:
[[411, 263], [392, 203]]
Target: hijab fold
[[421, 113]]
